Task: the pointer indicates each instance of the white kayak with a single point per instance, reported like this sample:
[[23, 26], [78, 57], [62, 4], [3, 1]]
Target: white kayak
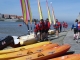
[[28, 39], [24, 40], [51, 32]]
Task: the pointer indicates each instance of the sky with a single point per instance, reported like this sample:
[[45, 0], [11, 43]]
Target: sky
[[64, 10]]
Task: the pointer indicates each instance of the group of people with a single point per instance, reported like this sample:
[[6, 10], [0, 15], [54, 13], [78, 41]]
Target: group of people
[[76, 28], [43, 27], [58, 27]]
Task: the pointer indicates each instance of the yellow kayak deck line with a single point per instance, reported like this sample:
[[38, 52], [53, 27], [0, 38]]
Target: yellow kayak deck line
[[24, 47]]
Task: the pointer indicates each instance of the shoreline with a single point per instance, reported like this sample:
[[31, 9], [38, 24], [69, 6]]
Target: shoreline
[[11, 20], [16, 20]]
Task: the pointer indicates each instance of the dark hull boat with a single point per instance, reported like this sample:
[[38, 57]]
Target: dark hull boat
[[6, 42]]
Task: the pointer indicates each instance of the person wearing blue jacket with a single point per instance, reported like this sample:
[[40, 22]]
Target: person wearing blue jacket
[[75, 28]]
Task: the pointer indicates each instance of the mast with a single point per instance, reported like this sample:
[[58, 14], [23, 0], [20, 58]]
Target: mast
[[40, 11], [53, 14], [49, 16], [24, 12], [30, 13]]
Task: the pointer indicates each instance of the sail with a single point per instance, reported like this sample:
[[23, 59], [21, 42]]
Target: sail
[[29, 10], [53, 14], [40, 11], [30, 13], [24, 11], [49, 16]]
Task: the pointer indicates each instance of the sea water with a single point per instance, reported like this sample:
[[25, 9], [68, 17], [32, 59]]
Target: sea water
[[13, 28]]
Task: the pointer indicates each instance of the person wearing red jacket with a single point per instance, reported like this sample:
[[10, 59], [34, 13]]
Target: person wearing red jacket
[[56, 27], [36, 29], [60, 26], [65, 25], [46, 28], [41, 29]]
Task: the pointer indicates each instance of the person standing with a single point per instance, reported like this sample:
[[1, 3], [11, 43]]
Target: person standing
[[46, 28], [60, 26], [41, 29], [75, 27], [78, 29], [56, 27], [63, 25], [36, 29], [66, 25]]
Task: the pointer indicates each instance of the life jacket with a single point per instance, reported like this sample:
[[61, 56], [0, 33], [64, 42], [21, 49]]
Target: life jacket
[[79, 26], [66, 25], [36, 28], [47, 25], [75, 26], [41, 26], [56, 25], [59, 24]]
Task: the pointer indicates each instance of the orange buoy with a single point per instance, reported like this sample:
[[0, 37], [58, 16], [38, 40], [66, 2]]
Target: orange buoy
[[20, 24]]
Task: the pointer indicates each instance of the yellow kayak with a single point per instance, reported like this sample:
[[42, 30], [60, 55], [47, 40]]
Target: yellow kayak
[[24, 47], [27, 51], [46, 54]]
